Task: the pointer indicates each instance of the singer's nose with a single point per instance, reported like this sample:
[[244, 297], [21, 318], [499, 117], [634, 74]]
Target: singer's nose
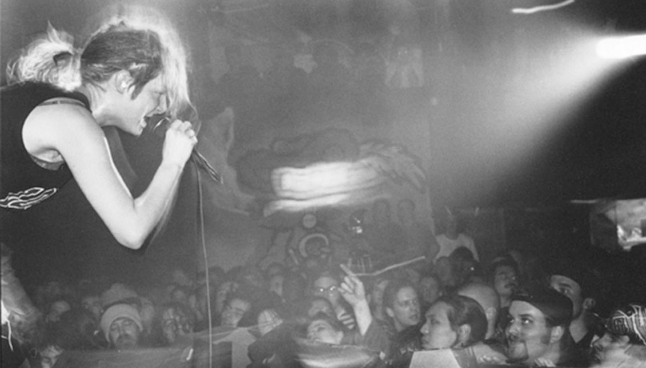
[[162, 104]]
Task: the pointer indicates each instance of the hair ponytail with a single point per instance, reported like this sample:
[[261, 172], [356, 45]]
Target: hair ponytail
[[50, 59]]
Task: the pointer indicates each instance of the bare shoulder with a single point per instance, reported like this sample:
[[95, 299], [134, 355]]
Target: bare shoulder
[[61, 121]]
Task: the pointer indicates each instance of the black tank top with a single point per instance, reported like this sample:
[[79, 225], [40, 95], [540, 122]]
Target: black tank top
[[24, 183]]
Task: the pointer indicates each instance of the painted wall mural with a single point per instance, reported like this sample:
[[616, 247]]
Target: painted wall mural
[[293, 201]]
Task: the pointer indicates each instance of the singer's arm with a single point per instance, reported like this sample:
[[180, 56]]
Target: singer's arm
[[72, 132]]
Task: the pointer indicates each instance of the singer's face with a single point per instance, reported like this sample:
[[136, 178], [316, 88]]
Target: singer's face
[[150, 101]]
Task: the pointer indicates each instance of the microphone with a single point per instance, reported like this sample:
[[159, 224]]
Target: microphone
[[161, 126]]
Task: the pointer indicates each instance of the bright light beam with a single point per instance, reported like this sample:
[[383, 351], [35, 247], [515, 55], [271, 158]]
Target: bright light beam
[[542, 8], [622, 47]]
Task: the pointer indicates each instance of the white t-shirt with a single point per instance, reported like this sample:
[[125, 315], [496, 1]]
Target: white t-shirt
[[447, 246]]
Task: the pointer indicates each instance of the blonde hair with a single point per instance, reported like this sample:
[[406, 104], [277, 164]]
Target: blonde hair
[[139, 40], [51, 58]]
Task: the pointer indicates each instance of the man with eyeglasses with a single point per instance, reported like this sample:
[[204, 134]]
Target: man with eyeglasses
[[326, 285]]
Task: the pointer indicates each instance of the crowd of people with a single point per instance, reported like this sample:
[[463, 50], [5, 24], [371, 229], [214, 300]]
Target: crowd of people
[[499, 313], [507, 310]]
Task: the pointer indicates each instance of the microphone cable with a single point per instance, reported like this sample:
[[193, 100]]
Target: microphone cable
[[200, 215]]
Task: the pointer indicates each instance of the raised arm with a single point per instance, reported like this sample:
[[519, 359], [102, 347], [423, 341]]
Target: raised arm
[[354, 293], [72, 131]]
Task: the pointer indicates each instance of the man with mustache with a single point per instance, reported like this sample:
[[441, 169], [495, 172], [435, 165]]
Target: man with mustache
[[537, 332], [122, 327]]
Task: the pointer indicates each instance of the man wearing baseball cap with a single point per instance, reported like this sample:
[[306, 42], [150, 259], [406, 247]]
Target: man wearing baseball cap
[[624, 342], [580, 284], [122, 326], [537, 332]]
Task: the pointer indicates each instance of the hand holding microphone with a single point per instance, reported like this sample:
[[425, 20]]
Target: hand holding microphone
[[180, 140], [176, 134]]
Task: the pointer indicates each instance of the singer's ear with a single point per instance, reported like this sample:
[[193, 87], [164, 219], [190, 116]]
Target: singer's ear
[[123, 82]]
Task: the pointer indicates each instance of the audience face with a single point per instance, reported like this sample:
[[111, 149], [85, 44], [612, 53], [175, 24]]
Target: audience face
[[505, 280], [174, 324], [430, 289], [179, 295], [377, 292], [124, 334], [571, 289], [437, 332], [321, 306], [57, 308], [528, 336], [233, 312], [294, 289], [179, 277], [322, 331], [328, 288], [445, 272], [405, 310], [49, 355], [609, 347], [268, 319], [202, 301], [93, 304], [221, 295], [276, 284]]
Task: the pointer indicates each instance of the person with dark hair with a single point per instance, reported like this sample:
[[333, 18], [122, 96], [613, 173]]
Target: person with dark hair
[[402, 306], [294, 289], [465, 267], [60, 98], [326, 283], [624, 342], [430, 289], [325, 329], [174, 320], [453, 322], [503, 277], [79, 330], [314, 305], [537, 331], [237, 310], [580, 285], [275, 346]]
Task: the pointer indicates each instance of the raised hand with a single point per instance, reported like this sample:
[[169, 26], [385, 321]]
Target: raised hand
[[352, 288]]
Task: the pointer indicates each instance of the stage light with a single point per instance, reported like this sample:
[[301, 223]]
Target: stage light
[[622, 47]]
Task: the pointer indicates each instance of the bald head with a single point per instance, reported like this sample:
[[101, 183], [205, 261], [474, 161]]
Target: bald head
[[488, 299]]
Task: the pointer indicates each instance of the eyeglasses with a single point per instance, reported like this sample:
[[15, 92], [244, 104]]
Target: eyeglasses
[[330, 289]]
